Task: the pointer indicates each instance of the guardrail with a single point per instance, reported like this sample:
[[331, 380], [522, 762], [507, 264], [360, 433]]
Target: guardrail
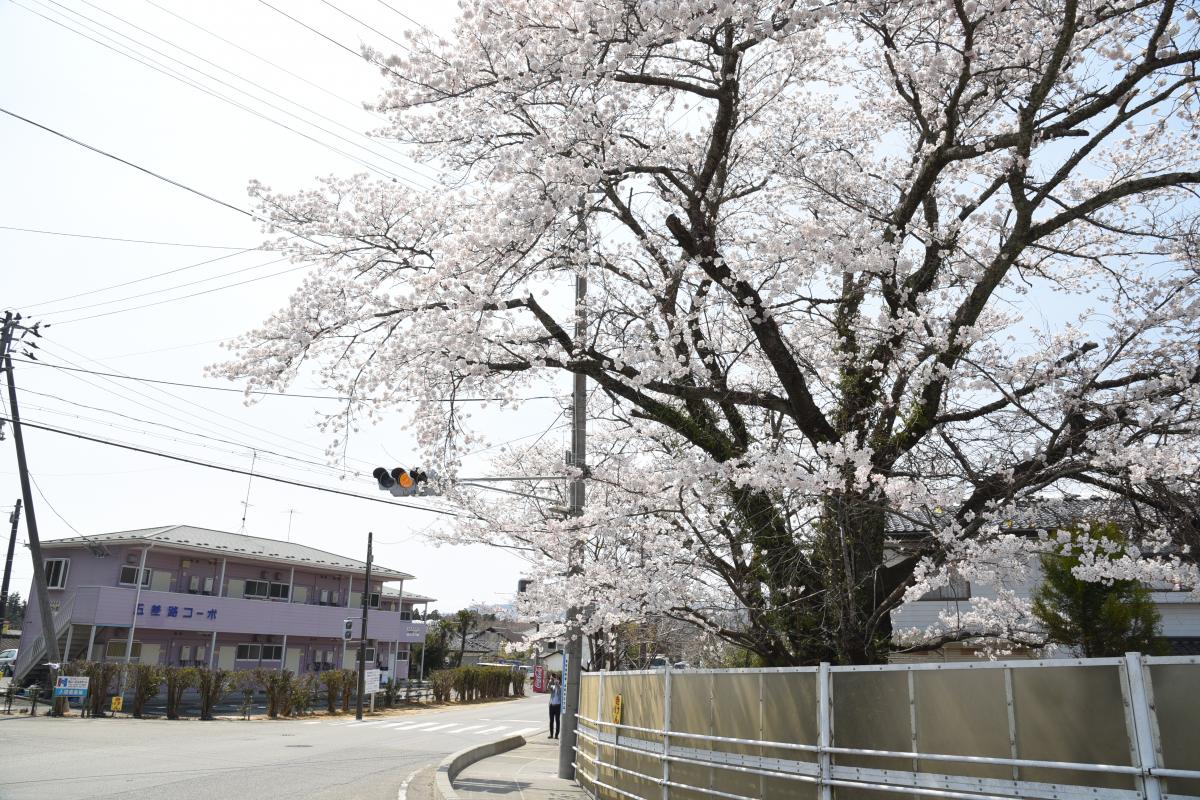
[[1079, 729]]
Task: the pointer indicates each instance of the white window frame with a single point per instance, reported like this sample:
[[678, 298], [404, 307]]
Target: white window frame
[[283, 595], [374, 600], [370, 654], [111, 652], [250, 647], [275, 648], [957, 589], [62, 577], [266, 594], [145, 576]]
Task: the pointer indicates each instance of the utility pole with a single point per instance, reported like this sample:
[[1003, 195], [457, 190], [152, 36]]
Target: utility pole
[[11, 323], [362, 640], [574, 652], [15, 519]]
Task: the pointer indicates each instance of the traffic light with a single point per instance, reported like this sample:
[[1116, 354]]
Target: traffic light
[[348, 630], [403, 482]]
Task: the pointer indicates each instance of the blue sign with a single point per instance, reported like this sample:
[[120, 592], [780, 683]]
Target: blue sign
[[71, 686]]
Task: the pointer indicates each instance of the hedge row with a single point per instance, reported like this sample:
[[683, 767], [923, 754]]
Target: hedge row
[[476, 683], [287, 694]]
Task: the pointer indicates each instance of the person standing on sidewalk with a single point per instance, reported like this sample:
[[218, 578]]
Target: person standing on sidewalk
[[555, 706]]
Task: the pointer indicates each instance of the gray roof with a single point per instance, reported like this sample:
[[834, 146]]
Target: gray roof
[[408, 596], [232, 544]]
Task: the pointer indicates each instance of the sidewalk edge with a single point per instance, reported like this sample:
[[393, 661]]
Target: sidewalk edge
[[455, 763]]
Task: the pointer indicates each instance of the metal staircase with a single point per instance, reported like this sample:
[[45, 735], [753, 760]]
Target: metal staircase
[[34, 654]]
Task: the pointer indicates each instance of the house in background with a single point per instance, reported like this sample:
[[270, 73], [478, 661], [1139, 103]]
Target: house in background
[[1180, 610], [198, 597]]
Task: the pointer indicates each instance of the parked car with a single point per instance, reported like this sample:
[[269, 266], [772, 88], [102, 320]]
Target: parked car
[[8, 659]]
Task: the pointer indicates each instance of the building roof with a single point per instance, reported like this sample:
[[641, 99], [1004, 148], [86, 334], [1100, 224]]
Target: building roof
[[231, 544], [412, 597]]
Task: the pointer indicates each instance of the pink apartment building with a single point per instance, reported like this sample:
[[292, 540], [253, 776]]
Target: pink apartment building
[[198, 597]]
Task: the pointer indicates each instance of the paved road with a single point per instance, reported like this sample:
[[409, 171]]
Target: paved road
[[71, 759]]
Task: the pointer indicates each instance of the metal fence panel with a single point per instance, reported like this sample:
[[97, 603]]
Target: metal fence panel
[[1075, 713], [641, 707], [870, 711], [1176, 690], [789, 715], [962, 713], [691, 712]]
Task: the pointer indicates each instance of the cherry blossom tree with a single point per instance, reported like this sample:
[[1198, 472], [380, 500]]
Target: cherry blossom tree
[[850, 265]]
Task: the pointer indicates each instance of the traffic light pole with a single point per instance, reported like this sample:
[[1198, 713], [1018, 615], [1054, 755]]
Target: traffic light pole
[[362, 639], [35, 545], [15, 519], [570, 688]]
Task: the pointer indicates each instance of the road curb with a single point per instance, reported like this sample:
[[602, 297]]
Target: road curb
[[455, 763]]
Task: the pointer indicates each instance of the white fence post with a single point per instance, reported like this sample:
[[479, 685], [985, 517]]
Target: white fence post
[[666, 764], [825, 729], [600, 729], [1139, 701]]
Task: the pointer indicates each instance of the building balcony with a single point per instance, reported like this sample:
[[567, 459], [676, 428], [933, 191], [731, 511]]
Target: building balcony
[[116, 606]]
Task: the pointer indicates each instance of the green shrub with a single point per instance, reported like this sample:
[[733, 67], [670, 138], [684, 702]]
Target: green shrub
[[179, 680], [278, 685], [246, 682], [441, 683], [212, 683], [100, 675], [303, 692], [332, 679], [145, 681], [349, 687]]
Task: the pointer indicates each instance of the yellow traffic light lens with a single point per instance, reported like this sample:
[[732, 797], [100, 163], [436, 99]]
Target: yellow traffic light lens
[[405, 480]]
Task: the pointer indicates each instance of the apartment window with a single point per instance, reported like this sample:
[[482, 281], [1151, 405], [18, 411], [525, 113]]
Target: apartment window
[[300, 594], [115, 648], [272, 652], [129, 576], [370, 654], [374, 600], [956, 589], [257, 589], [328, 597], [247, 652], [279, 591], [56, 572]]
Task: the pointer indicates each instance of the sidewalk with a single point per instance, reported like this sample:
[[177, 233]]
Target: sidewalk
[[529, 772]]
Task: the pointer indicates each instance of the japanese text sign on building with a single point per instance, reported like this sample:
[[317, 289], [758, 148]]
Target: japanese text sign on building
[[71, 686], [177, 612]]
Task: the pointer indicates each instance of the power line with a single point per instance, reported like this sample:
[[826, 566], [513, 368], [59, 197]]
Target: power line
[[131, 241], [174, 74], [136, 280], [259, 86], [151, 173], [203, 420], [279, 394], [186, 296], [347, 14], [231, 273], [235, 470], [42, 494]]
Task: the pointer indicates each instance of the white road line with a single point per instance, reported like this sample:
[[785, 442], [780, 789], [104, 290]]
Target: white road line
[[422, 725], [465, 729], [314, 722], [440, 727], [398, 725], [530, 730], [495, 730], [402, 792]]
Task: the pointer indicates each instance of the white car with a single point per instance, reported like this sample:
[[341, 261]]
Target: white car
[[7, 658]]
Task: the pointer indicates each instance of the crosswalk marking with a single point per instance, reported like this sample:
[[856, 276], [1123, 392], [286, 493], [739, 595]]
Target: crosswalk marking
[[422, 725], [465, 729], [494, 730], [530, 730], [440, 727]]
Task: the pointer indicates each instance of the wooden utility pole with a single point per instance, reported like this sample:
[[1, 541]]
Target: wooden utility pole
[[11, 323]]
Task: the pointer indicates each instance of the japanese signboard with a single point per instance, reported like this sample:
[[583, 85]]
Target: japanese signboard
[[178, 612], [117, 703], [371, 681], [71, 686], [616, 717]]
